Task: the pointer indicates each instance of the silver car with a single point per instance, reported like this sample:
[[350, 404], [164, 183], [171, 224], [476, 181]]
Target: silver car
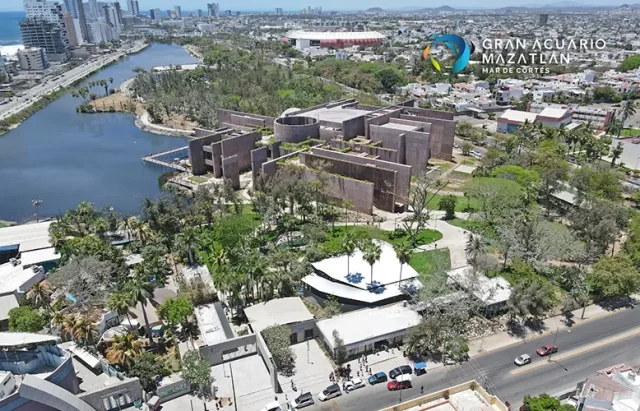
[[523, 360]]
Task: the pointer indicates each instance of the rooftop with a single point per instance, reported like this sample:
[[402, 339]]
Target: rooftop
[[211, 322], [347, 292], [281, 311], [12, 277], [385, 271], [7, 302], [332, 35], [9, 339], [198, 272], [26, 236], [518, 116], [488, 290], [398, 126], [556, 113], [39, 256], [369, 324], [335, 114]]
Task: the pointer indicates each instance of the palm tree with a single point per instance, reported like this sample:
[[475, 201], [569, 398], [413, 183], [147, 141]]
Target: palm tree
[[371, 254], [57, 319], [404, 251], [141, 230], [616, 153], [66, 326], [84, 330], [628, 110], [124, 350], [475, 249], [188, 241], [141, 290], [120, 303], [348, 246], [40, 294]]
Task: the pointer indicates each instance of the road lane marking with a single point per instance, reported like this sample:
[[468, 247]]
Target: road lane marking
[[578, 351], [542, 334]]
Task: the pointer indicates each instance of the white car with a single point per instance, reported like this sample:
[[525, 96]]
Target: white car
[[523, 360], [272, 406], [354, 384]]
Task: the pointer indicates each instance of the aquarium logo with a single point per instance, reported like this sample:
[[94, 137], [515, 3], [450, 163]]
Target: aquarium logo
[[457, 44]]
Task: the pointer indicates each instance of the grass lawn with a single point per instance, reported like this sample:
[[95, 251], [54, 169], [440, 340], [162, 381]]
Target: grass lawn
[[630, 132], [334, 238], [475, 226], [198, 179], [461, 204], [428, 262]]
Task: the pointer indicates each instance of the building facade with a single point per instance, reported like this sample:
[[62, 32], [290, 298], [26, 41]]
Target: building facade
[[33, 59], [213, 9], [76, 8], [156, 15], [178, 11], [133, 7], [72, 36], [50, 36], [50, 11]]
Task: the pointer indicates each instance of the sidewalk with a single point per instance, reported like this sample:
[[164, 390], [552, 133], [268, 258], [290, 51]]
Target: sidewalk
[[387, 360]]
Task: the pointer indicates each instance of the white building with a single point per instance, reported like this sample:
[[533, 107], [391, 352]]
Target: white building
[[50, 11], [156, 15], [100, 31], [492, 292], [33, 59], [3, 70], [178, 11], [543, 95], [133, 7], [369, 328], [206, 27]]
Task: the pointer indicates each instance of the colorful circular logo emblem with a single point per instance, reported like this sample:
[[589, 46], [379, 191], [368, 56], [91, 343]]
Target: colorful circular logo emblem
[[457, 44]]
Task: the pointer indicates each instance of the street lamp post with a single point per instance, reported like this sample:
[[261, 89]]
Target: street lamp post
[[554, 343]]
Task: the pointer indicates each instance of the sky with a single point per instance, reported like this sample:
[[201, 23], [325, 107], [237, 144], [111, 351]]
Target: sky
[[261, 5]]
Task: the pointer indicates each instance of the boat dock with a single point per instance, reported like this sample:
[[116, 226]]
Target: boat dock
[[161, 158]]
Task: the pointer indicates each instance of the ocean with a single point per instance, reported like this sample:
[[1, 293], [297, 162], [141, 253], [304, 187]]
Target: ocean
[[9, 28]]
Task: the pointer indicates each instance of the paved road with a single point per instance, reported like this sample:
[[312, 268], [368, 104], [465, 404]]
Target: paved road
[[30, 96], [495, 367]]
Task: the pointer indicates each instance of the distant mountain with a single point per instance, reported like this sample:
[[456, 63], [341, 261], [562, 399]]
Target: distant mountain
[[441, 8], [374, 10]]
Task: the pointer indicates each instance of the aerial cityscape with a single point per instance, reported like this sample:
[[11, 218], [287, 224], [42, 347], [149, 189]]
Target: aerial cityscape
[[332, 206]]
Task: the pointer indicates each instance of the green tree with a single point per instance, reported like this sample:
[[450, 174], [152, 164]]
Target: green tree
[[497, 198], [466, 148], [141, 290], [389, 79], [404, 252], [120, 302], [528, 301], [629, 63], [176, 311], [25, 319], [331, 307], [277, 338], [545, 402], [149, 369], [448, 204], [196, 371], [614, 277], [124, 350], [371, 254], [522, 176], [348, 246], [339, 350]]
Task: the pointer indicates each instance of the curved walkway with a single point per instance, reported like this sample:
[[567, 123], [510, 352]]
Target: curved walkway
[[144, 123]]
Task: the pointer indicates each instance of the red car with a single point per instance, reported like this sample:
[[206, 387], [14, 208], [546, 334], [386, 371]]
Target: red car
[[547, 350], [394, 385]]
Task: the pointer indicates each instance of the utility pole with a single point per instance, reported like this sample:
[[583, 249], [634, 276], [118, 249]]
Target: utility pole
[[554, 343]]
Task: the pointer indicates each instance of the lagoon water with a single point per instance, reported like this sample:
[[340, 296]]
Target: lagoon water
[[62, 157]]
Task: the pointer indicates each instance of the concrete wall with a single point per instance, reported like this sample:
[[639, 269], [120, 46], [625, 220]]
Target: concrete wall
[[196, 153], [269, 168], [173, 390], [403, 177], [241, 119], [425, 112], [296, 129], [214, 354], [417, 151], [130, 390], [231, 171], [353, 127], [240, 146], [441, 132], [258, 156], [384, 180], [380, 119], [201, 132], [359, 193], [267, 358]]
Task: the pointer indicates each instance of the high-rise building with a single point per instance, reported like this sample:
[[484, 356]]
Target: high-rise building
[[279, 11], [133, 7], [93, 10], [178, 11], [156, 15], [100, 31], [72, 36], [111, 16], [116, 4], [227, 12], [50, 36], [171, 14], [199, 13], [50, 11], [76, 8], [3, 69], [33, 59], [213, 9], [543, 19]]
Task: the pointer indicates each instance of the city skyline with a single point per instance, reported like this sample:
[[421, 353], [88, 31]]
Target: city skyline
[[289, 5]]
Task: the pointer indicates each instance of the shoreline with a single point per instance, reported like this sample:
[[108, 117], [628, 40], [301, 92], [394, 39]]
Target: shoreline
[[16, 119]]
